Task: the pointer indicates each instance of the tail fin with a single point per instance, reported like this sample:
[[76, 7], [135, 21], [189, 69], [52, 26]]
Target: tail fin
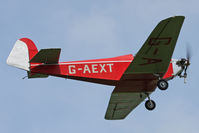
[[23, 51]]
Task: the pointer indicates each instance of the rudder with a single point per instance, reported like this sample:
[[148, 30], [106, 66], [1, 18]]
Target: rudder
[[23, 51]]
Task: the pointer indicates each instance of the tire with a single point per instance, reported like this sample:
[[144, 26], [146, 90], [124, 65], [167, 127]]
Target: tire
[[162, 84], [150, 105]]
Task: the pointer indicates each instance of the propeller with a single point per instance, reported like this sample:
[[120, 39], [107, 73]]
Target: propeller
[[186, 62]]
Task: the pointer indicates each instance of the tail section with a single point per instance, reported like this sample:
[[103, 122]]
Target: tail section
[[23, 51]]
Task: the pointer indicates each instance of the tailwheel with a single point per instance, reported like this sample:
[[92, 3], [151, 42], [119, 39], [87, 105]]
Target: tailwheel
[[162, 84], [150, 105]]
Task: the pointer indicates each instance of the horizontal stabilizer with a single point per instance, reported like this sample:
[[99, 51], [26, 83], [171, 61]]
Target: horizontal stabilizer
[[47, 56], [36, 75]]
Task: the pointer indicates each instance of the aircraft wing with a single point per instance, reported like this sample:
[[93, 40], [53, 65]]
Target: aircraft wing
[[121, 104], [126, 97], [151, 62], [155, 55]]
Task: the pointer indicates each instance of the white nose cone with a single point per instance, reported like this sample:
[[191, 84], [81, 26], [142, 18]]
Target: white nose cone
[[176, 68], [19, 56]]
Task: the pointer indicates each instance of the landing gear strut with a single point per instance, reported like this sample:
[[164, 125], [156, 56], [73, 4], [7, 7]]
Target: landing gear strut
[[150, 104], [162, 84]]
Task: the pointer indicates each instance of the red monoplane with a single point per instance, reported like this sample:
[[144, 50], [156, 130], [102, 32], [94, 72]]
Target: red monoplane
[[134, 78]]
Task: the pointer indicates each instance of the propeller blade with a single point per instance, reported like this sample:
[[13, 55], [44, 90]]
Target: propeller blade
[[188, 52], [188, 56]]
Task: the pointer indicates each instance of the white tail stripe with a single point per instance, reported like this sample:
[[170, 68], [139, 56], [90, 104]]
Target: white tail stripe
[[19, 56]]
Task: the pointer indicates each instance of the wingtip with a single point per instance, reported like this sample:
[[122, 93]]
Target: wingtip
[[180, 18], [174, 17]]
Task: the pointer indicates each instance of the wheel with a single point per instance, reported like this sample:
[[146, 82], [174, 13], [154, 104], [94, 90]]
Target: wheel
[[162, 84], [150, 105]]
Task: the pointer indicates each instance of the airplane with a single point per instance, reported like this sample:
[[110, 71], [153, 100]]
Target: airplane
[[134, 77]]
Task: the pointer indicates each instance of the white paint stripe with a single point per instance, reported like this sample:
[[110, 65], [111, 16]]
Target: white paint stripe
[[79, 69], [63, 63], [67, 63]]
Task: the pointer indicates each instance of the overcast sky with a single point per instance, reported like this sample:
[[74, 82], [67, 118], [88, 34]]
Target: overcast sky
[[87, 29]]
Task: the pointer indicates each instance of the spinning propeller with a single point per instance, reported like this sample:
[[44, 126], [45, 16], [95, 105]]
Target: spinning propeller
[[184, 63]]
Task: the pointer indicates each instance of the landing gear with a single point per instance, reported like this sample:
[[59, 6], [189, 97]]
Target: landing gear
[[150, 104], [162, 84]]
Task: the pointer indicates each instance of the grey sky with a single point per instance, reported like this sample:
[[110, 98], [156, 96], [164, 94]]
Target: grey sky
[[88, 30]]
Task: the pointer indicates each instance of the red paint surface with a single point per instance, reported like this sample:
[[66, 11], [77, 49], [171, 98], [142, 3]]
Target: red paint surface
[[32, 49], [169, 73], [109, 68]]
